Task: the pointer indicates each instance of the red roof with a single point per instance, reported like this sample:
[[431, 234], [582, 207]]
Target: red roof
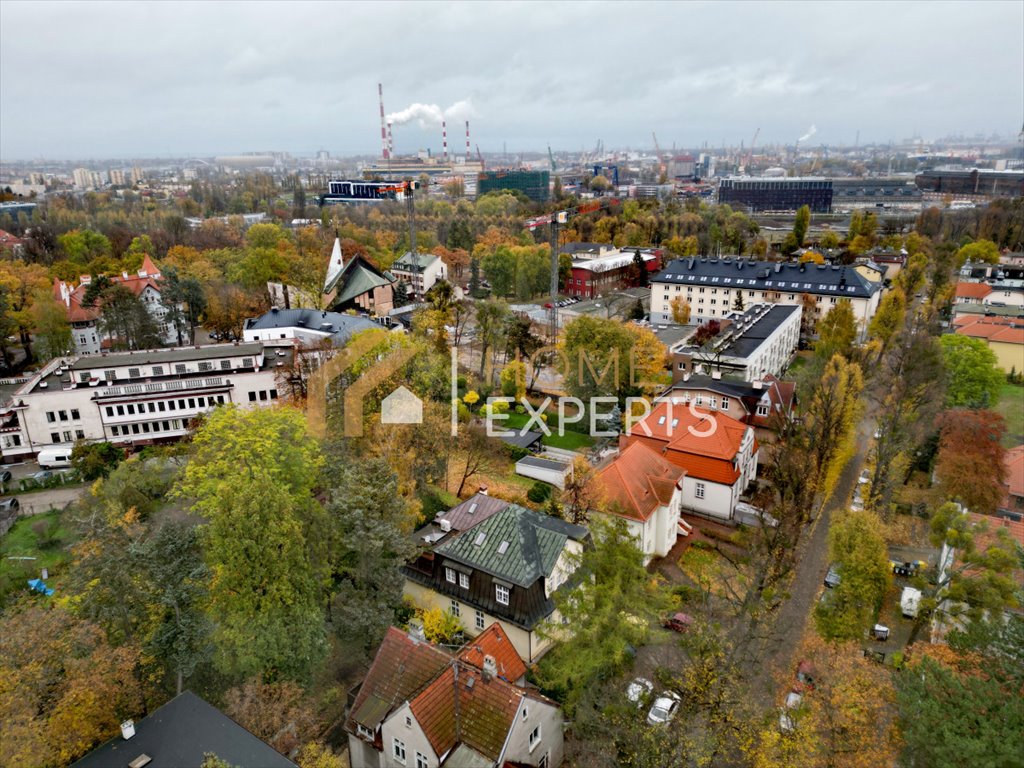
[[639, 481], [705, 443], [462, 706], [1008, 330], [1014, 477], [494, 642], [972, 290]]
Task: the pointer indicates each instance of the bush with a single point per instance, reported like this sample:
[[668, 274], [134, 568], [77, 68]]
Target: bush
[[95, 460], [539, 492]]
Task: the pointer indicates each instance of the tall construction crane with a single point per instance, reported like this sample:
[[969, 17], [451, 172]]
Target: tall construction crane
[[750, 152], [556, 220], [662, 171]]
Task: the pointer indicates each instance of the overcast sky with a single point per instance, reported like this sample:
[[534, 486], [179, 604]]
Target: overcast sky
[[94, 80]]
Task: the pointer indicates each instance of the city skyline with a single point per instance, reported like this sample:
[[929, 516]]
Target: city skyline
[[206, 79]]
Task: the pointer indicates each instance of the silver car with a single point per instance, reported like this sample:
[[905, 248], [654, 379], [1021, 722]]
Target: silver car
[[664, 708]]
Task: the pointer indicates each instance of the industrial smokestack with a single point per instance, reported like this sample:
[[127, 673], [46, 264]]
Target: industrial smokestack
[[467, 141], [444, 140], [383, 130]]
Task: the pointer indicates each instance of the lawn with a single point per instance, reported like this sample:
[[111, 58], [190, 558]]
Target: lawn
[[23, 541], [570, 441], [1011, 406]]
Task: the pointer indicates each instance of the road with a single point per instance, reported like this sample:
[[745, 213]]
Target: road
[[811, 565]]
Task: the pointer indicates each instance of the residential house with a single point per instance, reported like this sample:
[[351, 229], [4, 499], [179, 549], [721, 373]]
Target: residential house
[[646, 490], [754, 343], [1013, 501], [504, 569], [357, 284], [86, 327], [179, 735], [718, 452], [420, 707], [1003, 335], [710, 287], [757, 403], [419, 271]]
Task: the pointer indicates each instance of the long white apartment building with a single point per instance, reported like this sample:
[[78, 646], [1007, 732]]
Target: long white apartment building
[[138, 398]]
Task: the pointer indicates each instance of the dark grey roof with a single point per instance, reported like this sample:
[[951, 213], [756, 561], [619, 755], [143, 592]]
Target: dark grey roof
[[515, 544], [184, 354], [521, 439], [536, 461], [338, 325], [754, 326], [746, 274], [179, 733]]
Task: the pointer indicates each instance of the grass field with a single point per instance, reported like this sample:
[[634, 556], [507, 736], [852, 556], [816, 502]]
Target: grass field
[[23, 541], [1011, 406], [570, 441]]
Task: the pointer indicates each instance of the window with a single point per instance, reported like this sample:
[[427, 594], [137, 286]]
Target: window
[[762, 409], [534, 738], [464, 580], [455, 608], [399, 748], [449, 575], [698, 490], [363, 731], [479, 620], [421, 760], [501, 594]]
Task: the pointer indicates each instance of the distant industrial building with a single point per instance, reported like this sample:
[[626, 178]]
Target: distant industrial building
[[534, 184], [972, 182], [761, 194]]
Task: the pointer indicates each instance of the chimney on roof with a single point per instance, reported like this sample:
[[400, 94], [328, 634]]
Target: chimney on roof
[[490, 668]]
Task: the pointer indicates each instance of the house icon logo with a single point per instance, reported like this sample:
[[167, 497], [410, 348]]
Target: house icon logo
[[401, 407]]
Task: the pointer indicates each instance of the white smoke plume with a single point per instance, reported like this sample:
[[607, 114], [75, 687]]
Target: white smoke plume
[[810, 132], [431, 115]]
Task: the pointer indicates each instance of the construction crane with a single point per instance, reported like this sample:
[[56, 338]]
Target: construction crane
[[661, 159], [750, 152], [556, 220]]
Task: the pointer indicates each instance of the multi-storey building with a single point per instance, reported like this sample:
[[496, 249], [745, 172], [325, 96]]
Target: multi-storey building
[[710, 287], [138, 398], [751, 345]]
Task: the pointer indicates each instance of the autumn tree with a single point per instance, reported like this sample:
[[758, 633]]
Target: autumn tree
[[63, 687], [973, 377], [837, 331], [858, 549], [971, 464], [251, 478]]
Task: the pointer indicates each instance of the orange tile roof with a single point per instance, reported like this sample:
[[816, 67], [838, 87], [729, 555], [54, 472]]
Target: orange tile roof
[[494, 642], [461, 707], [1014, 474], [639, 481], [704, 443], [972, 290]]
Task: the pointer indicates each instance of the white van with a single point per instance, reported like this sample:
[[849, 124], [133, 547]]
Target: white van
[[55, 458]]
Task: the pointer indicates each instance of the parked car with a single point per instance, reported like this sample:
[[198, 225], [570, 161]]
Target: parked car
[[678, 622], [10, 504], [793, 702], [832, 578], [664, 708], [638, 690]]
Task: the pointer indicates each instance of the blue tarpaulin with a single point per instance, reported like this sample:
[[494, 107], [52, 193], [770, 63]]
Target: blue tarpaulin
[[38, 585]]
